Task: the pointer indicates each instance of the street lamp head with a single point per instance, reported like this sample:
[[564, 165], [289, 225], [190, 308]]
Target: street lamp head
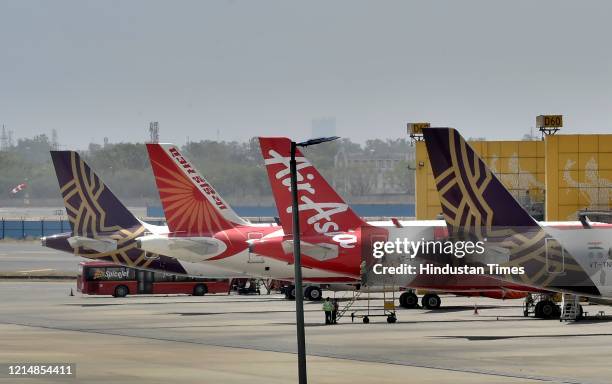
[[316, 141]]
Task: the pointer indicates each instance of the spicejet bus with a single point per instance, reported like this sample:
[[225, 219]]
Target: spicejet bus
[[104, 278]]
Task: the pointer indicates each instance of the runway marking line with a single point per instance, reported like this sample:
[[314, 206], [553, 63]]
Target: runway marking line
[[38, 270]]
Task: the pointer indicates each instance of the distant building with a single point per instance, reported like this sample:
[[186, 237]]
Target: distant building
[[370, 169]]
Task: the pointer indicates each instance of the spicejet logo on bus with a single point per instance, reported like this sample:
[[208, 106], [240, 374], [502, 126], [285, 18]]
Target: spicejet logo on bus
[[109, 274], [198, 180], [99, 274]]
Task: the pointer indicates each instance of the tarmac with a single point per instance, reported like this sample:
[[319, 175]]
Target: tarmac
[[238, 339], [30, 258]]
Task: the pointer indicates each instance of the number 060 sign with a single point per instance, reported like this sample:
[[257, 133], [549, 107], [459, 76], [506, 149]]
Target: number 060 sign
[[549, 121]]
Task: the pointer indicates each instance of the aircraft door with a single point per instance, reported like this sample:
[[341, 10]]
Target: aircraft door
[[253, 257]]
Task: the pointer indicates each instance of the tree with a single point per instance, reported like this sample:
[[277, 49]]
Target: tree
[[361, 179], [402, 176]]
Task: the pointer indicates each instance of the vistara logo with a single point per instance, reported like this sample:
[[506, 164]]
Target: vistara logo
[[321, 214]]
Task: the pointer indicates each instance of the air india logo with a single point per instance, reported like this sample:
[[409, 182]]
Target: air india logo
[[198, 179]]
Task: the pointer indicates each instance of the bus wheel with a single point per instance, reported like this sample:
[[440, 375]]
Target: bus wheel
[[121, 291], [200, 290]]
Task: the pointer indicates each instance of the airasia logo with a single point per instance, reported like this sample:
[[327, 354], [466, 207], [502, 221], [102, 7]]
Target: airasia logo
[[199, 180], [321, 214]]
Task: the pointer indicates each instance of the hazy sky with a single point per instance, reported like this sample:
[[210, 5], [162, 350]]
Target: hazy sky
[[106, 68]]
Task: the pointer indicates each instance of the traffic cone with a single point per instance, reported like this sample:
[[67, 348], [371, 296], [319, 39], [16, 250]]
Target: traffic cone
[[71, 293], [475, 309]]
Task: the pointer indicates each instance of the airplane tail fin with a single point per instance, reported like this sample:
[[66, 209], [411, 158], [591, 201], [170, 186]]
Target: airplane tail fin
[[475, 203], [191, 205], [322, 209], [472, 197], [91, 207]]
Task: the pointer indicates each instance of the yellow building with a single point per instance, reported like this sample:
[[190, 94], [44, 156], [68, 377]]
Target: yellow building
[[578, 174], [566, 173], [518, 164]]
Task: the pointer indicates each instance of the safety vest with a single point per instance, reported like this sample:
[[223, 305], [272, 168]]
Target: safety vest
[[328, 306]]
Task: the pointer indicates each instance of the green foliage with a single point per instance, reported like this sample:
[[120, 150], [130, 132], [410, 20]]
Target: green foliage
[[36, 148], [402, 175], [235, 169]]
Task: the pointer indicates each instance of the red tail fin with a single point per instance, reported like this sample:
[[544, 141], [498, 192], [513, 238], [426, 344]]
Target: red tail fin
[[191, 204], [322, 209]]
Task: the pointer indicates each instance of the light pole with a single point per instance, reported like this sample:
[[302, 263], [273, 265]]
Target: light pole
[[297, 258]]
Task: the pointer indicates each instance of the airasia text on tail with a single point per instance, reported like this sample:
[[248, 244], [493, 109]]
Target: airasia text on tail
[[321, 214]]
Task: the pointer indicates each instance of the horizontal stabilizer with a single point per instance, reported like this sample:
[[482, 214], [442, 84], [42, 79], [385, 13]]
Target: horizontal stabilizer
[[98, 245], [193, 249], [319, 251]]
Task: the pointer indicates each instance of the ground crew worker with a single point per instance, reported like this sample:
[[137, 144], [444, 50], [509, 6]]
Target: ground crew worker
[[335, 310], [328, 307]]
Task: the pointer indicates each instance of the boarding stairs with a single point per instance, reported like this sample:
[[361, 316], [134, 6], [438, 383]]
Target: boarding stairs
[[570, 307], [355, 295]]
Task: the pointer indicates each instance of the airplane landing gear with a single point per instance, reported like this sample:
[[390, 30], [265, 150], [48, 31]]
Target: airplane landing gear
[[541, 306], [547, 309], [408, 300], [290, 292], [431, 301], [313, 293]]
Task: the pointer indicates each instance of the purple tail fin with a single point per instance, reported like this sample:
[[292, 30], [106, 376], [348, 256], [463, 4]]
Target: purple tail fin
[[475, 202], [91, 207], [470, 194]]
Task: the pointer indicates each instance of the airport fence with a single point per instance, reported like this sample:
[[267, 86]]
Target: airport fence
[[23, 229]]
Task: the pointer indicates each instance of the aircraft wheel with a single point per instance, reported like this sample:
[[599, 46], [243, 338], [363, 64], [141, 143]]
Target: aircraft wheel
[[408, 300], [431, 301], [313, 293], [366, 320], [290, 292], [391, 319], [548, 309], [121, 291], [200, 290], [537, 311]]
